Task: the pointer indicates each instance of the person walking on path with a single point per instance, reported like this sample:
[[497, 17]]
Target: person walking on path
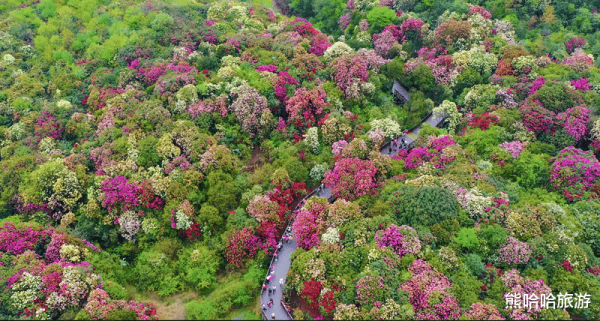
[[274, 289], [281, 281]]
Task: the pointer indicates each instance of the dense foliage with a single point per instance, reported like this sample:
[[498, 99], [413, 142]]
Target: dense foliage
[[161, 146]]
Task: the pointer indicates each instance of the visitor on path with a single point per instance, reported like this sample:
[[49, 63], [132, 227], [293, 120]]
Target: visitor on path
[[270, 291], [281, 281], [274, 288], [264, 307], [272, 315], [264, 287]]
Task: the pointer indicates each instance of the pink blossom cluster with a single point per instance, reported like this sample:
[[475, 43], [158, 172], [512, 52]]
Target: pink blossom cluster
[[48, 126], [536, 85], [248, 106], [425, 284], [513, 148], [573, 166], [16, 240], [180, 162], [514, 252], [338, 147], [351, 178], [439, 144], [575, 43], [369, 289], [579, 61], [392, 238], [242, 244], [345, 20], [100, 304], [119, 191], [269, 68], [581, 84], [417, 156], [308, 227], [480, 10], [575, 121], [537, 118], [516, 284]]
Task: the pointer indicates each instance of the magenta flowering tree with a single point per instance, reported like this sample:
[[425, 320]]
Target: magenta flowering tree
[[514, 252], [100, 304], [351, 178], [242, 244], [537, 118], [536, 85], [308, 227], [575, 121], [581, 84], [344, 21], [575, 43], [264, 209], [248, 106], [383, 42], [425, 285], [417, 156], [15, 240], [574, 169], [392, 238], [347, 70], [480, 10], [440, 143], [310, 223], [119, 193]]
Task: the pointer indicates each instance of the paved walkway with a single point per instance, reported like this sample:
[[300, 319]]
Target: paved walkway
[[281, 266]]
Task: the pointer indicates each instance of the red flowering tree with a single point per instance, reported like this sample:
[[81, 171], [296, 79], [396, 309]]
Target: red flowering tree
[[242, 245], [305, 108], [351, 178]]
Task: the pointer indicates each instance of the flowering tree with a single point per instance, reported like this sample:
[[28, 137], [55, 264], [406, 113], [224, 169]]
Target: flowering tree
[[574, 170], [515, 252], [264, 209], [248, 106], [309, 223], [305, 108], [351, 178], [425, 284], [242, 245], [575, 121]]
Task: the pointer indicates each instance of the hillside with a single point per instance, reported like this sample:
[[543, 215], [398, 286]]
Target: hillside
[[153, 152]]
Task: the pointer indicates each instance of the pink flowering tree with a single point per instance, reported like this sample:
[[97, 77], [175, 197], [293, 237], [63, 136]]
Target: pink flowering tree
[[516, 284], [370, 291], [309, 223], [248, 106], [575, 121], [242, 244], [351, 178], [482, 311], [401, 240], [264, 209], [427, 293], [513, 148], [514, 252], [306, 107], [537, 118], [574, 171]]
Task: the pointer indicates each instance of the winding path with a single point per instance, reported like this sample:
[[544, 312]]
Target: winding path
[[280, 265]]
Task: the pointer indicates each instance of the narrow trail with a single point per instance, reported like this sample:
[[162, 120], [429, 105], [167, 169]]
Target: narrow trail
[[280, 264]]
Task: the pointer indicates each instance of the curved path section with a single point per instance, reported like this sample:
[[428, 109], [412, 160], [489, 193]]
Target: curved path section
[[280, 264]]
